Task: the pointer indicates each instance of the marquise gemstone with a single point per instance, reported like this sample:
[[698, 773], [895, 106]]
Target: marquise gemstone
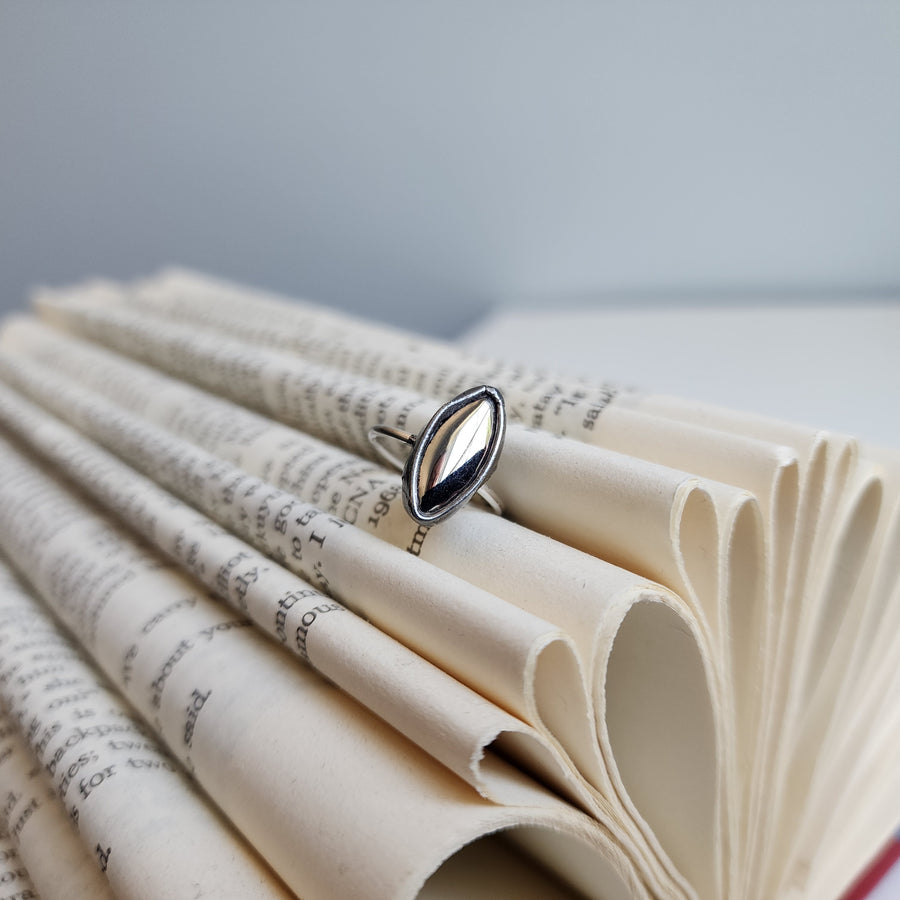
[[453, 457], [456, 453]]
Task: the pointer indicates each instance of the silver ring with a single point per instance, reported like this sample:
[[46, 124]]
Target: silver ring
[[452, 458]]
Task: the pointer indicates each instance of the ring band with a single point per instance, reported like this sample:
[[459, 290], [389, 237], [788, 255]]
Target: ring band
[[452, 458]]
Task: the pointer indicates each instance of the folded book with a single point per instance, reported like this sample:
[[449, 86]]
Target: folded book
[[669, 669]]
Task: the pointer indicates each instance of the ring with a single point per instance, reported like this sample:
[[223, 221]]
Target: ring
[[453, 456]]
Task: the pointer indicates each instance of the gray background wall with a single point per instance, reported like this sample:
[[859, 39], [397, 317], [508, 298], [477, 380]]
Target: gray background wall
[[418, 162]]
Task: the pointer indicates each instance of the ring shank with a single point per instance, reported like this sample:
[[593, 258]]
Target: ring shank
[[377, 432]]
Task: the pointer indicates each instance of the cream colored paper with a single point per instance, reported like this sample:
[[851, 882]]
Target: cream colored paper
[[588, 497], [453, 724], [45, 844], [246, 438], [138, 818], [562, 407], [294, 764], [792, 516], [15, 881]]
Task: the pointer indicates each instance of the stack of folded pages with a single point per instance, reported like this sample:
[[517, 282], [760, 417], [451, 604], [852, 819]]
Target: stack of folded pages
[[239, 659]]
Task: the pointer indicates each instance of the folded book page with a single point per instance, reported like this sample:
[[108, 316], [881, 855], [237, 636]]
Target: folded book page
[[296, 765], [528, 572], [865, 688], [41, 837], [453, 724], [603, 496], [139, 820], [15, 881]]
